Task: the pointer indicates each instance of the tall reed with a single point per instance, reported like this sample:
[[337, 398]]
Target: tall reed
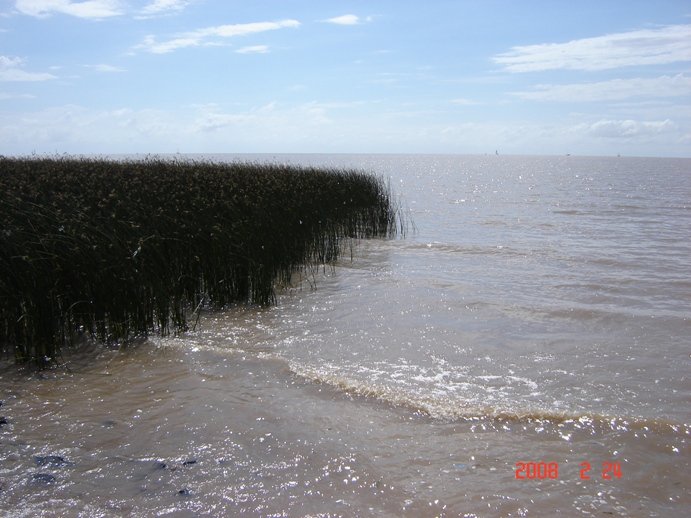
[[110, 250]]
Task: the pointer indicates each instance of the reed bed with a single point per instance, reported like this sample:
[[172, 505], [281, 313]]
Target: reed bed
[[111, 250]]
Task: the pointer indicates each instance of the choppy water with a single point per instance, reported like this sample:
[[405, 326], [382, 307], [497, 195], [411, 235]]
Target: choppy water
[[540, 314]]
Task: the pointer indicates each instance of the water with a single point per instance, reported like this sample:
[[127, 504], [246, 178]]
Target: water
[[541, 314]]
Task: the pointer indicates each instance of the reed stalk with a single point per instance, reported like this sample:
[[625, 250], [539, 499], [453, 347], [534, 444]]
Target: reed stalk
[[111, 250]]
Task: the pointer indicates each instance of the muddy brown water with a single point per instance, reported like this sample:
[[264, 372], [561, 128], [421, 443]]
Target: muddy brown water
[[525, 352]]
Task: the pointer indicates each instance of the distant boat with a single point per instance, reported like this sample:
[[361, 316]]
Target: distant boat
[[496, 152]]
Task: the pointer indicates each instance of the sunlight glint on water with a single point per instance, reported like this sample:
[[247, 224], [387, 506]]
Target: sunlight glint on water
[[541, 313]]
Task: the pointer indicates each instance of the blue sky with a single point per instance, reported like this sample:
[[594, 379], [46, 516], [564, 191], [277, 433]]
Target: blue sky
[[387, 76]]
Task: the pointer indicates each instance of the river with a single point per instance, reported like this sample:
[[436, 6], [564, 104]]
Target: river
[[523, 350]]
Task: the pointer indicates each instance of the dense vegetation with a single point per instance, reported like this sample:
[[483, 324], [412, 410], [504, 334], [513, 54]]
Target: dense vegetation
[[109, 250]]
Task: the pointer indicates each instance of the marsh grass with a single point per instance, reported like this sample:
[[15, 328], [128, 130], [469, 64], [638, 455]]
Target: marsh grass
[[111, 250]]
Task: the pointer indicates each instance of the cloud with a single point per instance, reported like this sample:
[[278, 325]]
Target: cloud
[[318, 127], [254, 49], [282, 122], [643, 47], [10, 71], [77, 129], [335, 105], [242, 29], [464, 102], [216, 121], [162, 48], [89, 9], [348, 19], [626, 129], [615, 89], [161, 6], [202, 36], [4, 96], [105, 68]]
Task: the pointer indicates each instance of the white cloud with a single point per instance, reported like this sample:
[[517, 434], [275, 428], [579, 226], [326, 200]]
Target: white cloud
[[160, 6], [643, 47], [346, 19], [464, 102], [89, 9], [242, 29], [615, 89], [75, 129], [4, 96], [216, 121], [10, 71], [316, 127], [626, 129], [335, 105], [201, 36], [254, 49], [105, 68], [271, 121], [169, 46]]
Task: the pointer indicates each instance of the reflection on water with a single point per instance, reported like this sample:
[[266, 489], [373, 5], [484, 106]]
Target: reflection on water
[[162, 428], [540, 315]]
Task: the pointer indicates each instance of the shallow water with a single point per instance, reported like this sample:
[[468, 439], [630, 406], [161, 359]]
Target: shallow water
[[540, 314]]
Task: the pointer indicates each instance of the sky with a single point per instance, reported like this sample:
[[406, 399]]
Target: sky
[[531, 77]]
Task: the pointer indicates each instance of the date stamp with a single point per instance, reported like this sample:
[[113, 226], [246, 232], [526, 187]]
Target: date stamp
[[544, 470]]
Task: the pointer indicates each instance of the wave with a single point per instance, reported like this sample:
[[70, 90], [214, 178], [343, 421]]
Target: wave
[[443, 392], [453, 248], [444, 408]]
